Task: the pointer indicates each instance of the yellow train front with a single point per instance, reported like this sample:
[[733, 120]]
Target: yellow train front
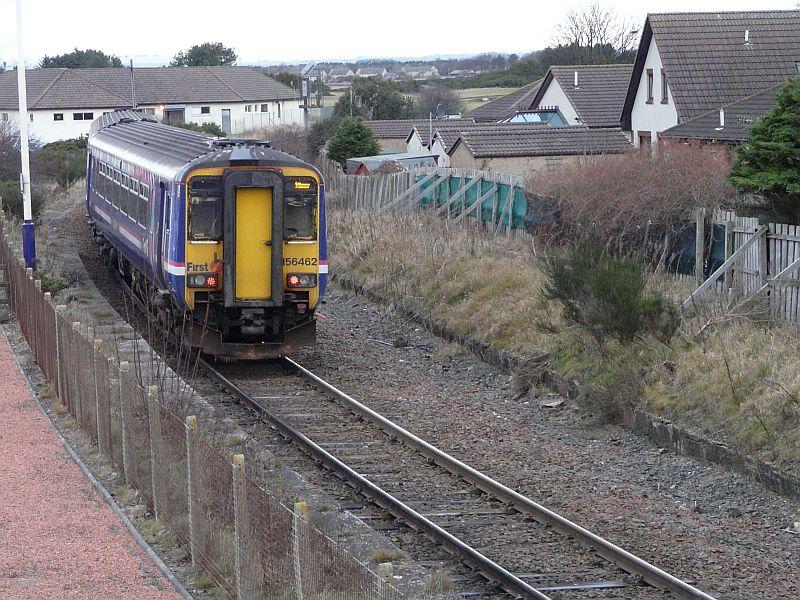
[[227, 238]]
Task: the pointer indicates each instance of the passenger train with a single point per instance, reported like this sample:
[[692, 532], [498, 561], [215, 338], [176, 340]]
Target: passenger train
[[224, 238]]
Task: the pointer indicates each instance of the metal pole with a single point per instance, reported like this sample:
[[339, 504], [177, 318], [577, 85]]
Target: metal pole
[[28, 235], [133, 88]]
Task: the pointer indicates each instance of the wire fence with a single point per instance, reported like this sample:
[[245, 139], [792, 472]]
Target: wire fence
[[242, 536]]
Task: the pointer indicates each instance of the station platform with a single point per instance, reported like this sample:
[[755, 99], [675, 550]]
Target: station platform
[[58, 536]]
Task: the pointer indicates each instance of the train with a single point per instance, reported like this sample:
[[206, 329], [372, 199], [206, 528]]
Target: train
[[223, 239]]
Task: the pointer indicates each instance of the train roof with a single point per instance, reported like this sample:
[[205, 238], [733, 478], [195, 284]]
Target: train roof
[[171, 152]]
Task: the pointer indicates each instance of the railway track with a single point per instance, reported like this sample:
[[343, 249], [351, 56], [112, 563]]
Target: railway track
[[512, 541]]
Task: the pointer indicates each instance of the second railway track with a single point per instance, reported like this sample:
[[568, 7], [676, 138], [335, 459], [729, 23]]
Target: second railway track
[[512, 541]]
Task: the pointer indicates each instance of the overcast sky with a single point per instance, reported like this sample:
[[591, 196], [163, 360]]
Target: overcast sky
[[151, 32]]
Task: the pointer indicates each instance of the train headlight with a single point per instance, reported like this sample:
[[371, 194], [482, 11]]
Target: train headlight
[[301, 280]]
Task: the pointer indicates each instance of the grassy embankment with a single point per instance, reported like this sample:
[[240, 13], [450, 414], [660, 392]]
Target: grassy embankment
[[738, 382]]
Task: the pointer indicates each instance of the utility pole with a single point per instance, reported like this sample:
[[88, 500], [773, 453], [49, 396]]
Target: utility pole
[[28, 234]]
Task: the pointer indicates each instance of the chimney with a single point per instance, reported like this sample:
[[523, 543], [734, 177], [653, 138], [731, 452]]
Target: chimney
[[746, 37], [576, 79]]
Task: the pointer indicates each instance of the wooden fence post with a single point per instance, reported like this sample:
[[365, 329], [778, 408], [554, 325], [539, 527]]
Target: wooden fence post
[[299, 520], [700, 244], [156, 447], [248, 566], [191, 439], [124, 417], [729, 249]]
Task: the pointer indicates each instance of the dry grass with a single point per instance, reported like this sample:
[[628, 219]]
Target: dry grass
[[739, 381]]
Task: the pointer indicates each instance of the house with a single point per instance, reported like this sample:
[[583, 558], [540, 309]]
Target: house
[[378, 72], [62, 103], [458, 73], [730, 124], [507, 106], [446, 132], [366, 165], [393, 135], [421, 72], [341, 75], [691, 64], [531, 149], [588, 95]]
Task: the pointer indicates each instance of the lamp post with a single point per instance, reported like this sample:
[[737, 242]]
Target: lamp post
[[28, 236]]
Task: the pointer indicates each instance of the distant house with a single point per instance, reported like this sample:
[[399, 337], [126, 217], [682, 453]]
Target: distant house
[[392, 135], [341, 75], [378, 72], [692, 64], [457, 73], [589, 95], [62, 103], [730, 124], [532, 149], [507, 106], [366, 165], [421, 72]]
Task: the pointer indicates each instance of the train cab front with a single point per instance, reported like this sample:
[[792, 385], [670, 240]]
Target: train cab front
[[252, 261]]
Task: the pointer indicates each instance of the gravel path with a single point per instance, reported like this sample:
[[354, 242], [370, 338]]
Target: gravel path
[[58, 537]]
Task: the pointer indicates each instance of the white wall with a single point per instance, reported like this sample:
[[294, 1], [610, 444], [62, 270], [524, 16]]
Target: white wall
[[45, 129], [653, 117], [554, 96]]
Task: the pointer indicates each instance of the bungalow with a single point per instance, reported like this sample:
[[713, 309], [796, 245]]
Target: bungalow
[[506, 106], [393, 135], [588, 95], [730, 124], [421, 72], [377, 72], [533, 149], [341, 75], [62, 103], [692, 64]]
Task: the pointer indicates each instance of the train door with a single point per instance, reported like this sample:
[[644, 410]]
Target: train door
[[166, 207], [253, 243], [226, 120]]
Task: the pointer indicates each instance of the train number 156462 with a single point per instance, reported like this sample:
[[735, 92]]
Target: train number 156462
[[299, 262]]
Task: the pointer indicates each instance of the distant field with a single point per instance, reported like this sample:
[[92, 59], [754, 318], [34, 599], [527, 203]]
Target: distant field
[[473, 97]]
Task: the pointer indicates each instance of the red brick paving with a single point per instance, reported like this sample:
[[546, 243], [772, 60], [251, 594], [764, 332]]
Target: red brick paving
[[58, 537]]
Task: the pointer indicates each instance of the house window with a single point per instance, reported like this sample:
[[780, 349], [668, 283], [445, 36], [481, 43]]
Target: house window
[[58, 116], [205, 110], [279, 110], [664, 88], [248, 108], [88, 116], [649, 86], [4, 117], [31, 117], [265, 108]]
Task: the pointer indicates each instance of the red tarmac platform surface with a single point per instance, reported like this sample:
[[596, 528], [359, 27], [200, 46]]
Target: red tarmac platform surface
[[58, 537]]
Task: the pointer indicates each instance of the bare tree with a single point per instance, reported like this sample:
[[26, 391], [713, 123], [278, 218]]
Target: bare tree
[[596, 25]]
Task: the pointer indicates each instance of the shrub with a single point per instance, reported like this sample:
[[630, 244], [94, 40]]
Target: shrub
[[605, 296], [12, 199], [64, 161], [209, 128], [635, 200]]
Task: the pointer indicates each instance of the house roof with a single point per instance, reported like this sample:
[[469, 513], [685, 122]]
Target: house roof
[[739, 117], [506, 106], [450, 134], [600, 95], [340, 72], [371, 71], [111, 87], [707, 62], [542, 141], [401, 128]]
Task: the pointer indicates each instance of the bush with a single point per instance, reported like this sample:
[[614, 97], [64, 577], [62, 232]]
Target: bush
[[208, 128], [12, 199], [64, 161], [635, 201], [352, 138], [605, 296]]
